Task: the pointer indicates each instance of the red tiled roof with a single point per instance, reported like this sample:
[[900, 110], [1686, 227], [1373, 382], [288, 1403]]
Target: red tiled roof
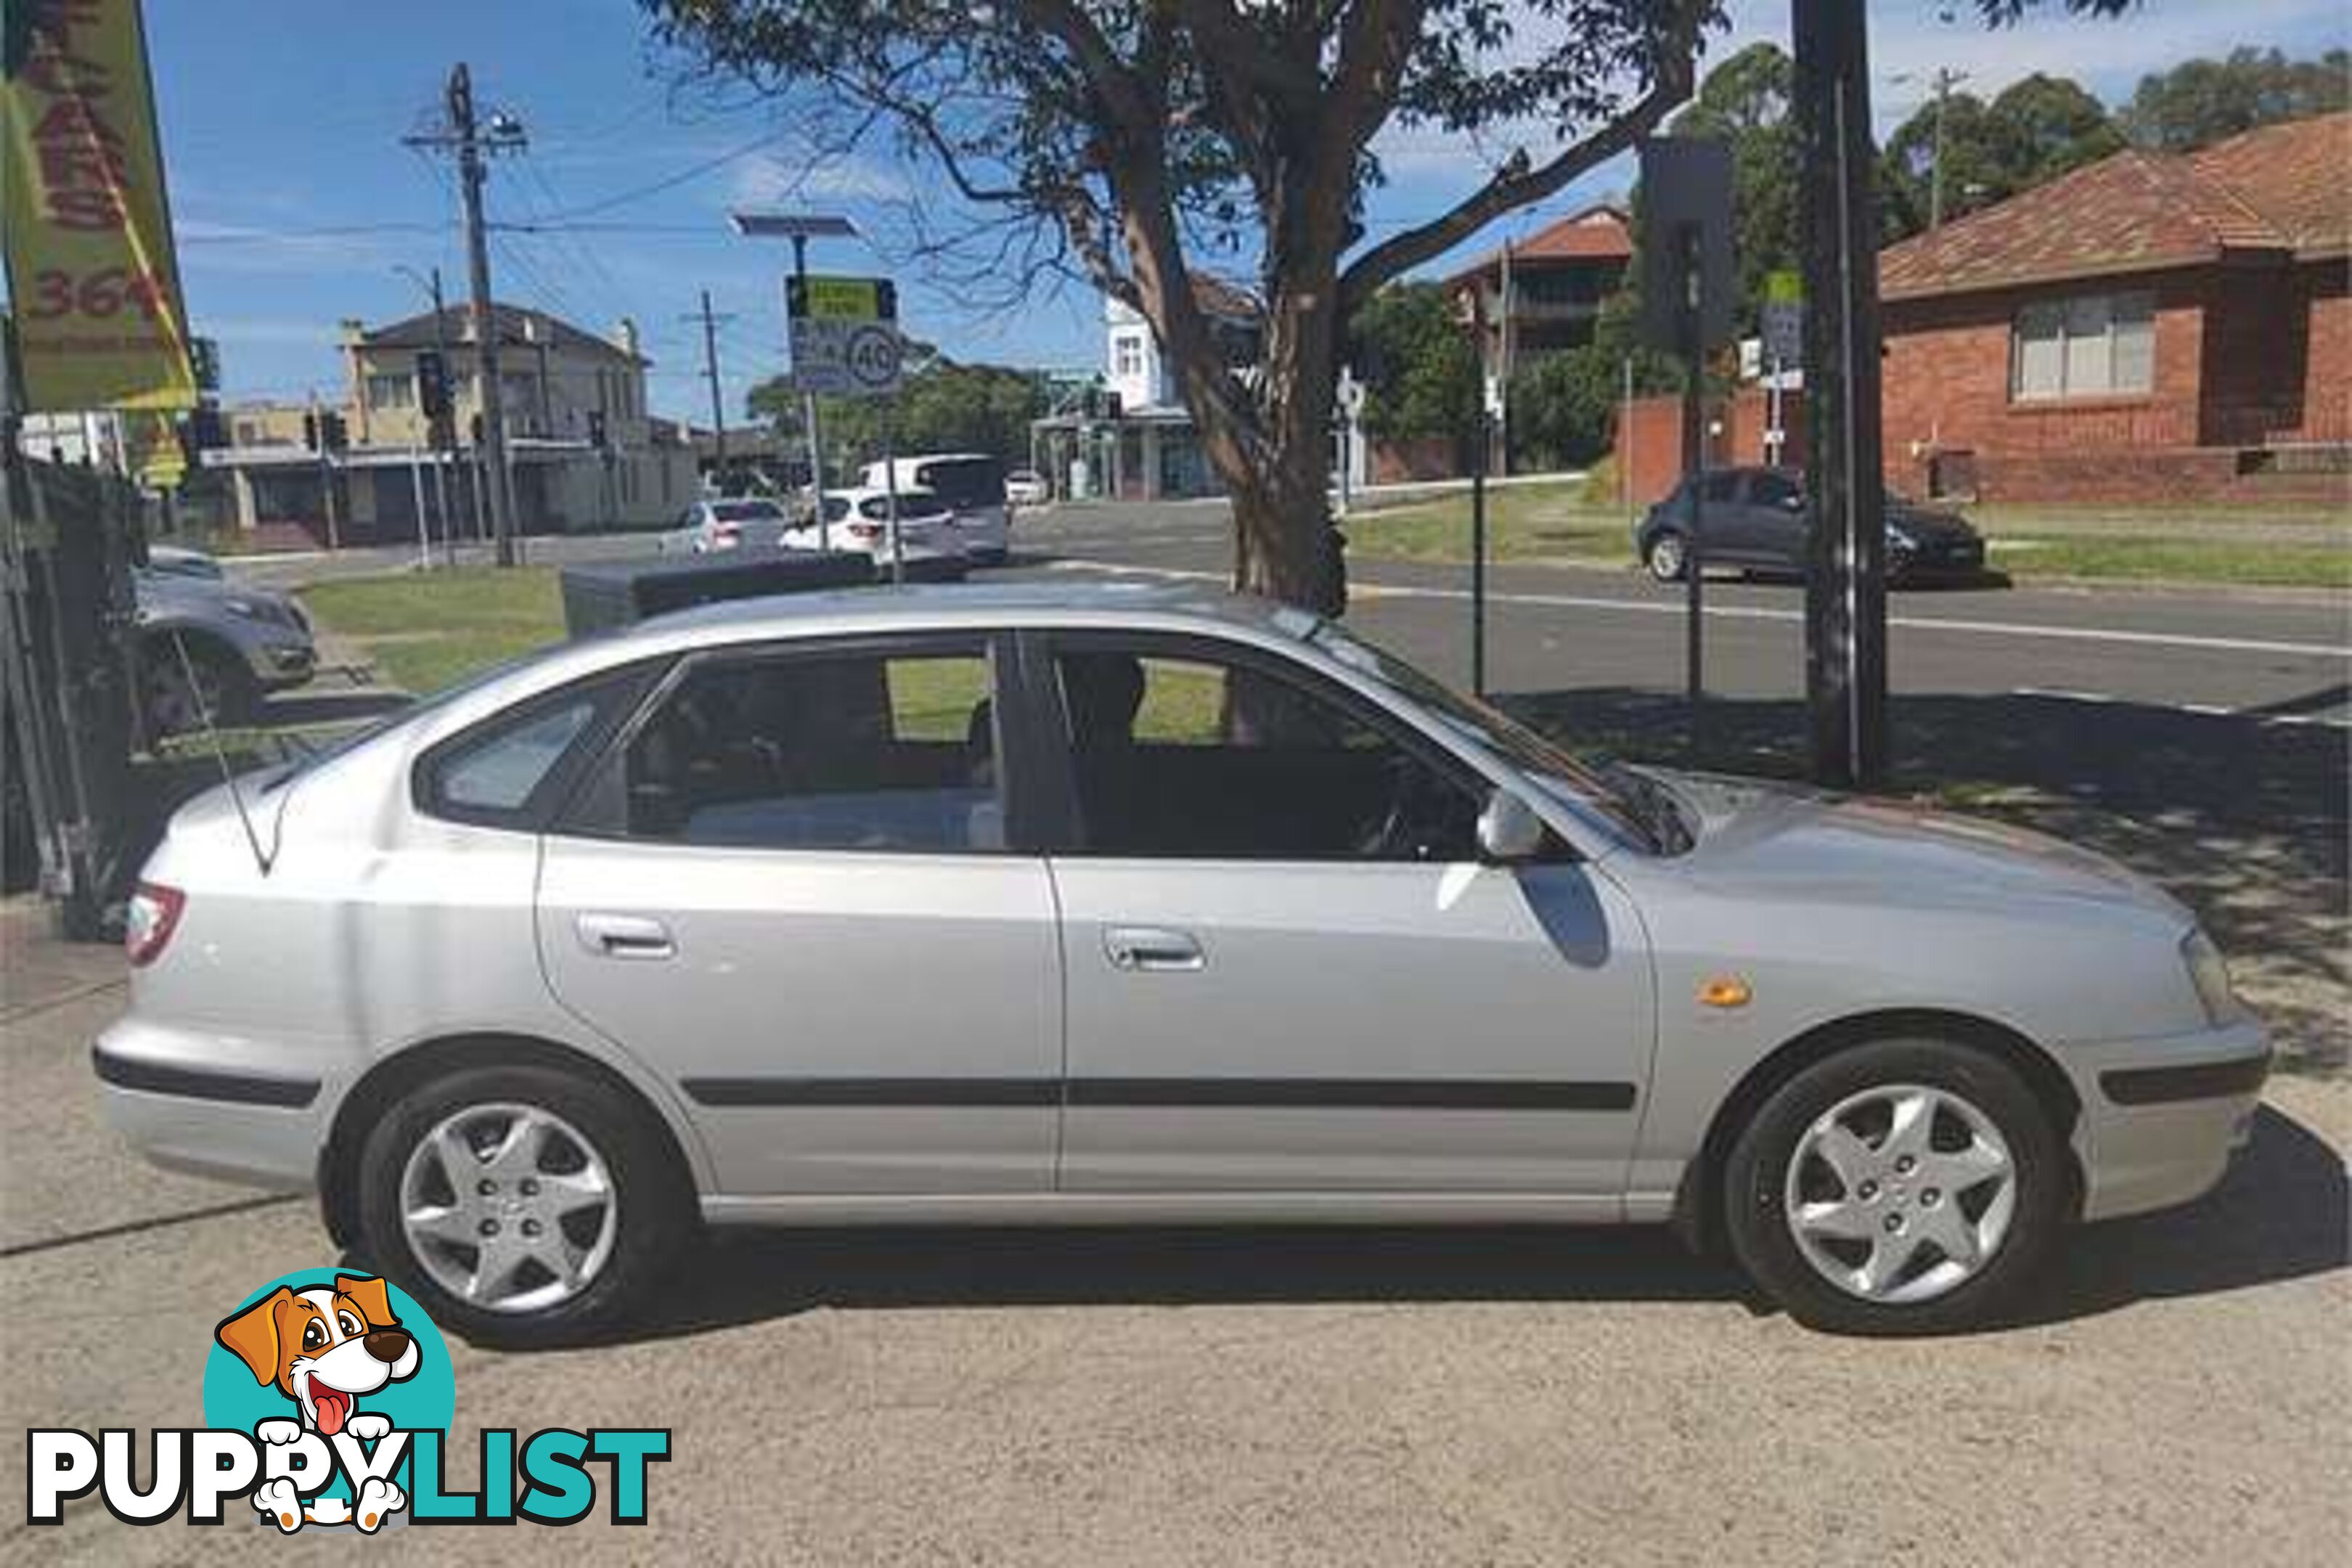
[[2278, 188], [1596, 234]]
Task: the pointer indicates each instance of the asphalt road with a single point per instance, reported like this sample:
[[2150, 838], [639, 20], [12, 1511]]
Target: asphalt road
[[2287, 655], [2180, 1392]]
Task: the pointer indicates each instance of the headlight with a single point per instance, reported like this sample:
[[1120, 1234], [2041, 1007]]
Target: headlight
[[248, 609], [1900, 537], [2209, 972]]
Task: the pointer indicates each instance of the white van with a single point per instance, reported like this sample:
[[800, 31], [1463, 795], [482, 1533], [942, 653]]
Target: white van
[[973, 485]]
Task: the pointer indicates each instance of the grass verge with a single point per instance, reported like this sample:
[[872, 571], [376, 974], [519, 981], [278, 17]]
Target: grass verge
[[2299, 547], [427, 630]]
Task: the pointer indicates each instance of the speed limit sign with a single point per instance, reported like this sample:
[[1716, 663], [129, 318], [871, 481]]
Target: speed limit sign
[[845, 335], [874, 359]]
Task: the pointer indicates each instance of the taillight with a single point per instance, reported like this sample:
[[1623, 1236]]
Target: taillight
[[153, 917], [725, 537], [864, 531]]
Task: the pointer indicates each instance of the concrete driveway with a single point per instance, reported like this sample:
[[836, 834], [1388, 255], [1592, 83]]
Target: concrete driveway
[[2182, 1392]]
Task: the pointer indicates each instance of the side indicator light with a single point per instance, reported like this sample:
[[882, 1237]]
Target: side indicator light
[[1725, 991]]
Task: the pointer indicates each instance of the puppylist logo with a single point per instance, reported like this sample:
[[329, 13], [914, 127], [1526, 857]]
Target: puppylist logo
[[328, 1399]]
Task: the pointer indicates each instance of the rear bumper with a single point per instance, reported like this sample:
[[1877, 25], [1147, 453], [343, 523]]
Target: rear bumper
[[2162, 1118], [186, 1103]]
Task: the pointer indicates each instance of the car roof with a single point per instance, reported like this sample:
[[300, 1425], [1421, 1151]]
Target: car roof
[[954, 605]]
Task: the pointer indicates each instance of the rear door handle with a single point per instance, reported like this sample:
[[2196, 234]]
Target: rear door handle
[[624, 936], [1151, 947]]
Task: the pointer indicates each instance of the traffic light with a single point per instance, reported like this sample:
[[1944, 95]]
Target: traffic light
[[332, 432], [310, 430], [433, 385]]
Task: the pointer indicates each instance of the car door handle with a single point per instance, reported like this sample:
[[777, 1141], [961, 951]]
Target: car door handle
[[1151, 947], [624, 936]]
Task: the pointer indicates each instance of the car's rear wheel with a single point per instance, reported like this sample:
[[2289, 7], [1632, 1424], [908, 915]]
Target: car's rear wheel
[[1666, 557], [1903, 1186], [521, 1206]]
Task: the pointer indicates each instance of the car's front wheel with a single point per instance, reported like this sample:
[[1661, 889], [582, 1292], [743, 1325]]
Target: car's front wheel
[[1902, 1186], [1666, 557], [521, 1206]]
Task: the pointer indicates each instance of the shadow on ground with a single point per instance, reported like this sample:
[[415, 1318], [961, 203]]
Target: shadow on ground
[[2280, 1215], [2244, 821]]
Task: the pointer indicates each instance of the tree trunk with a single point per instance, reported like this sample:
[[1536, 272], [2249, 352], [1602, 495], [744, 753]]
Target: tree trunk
[[1278, 475]]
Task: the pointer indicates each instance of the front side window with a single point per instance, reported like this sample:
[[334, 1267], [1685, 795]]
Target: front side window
[[1776, 492], [891, 752], [1196, 757], [2094, 345]]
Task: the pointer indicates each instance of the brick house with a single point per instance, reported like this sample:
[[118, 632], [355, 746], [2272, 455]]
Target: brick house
[[2151, 326], [1541, 294]]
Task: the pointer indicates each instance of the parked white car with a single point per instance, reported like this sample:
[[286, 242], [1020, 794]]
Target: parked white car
[[1023, 487], [711, 525], [929, 542], [974, 486]]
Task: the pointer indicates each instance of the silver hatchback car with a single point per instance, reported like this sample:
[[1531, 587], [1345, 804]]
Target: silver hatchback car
[[1053, 905]]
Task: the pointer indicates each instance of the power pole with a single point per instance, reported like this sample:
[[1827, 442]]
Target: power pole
[[711, 368], [1845, 587], [1944, 79], [470, 141]]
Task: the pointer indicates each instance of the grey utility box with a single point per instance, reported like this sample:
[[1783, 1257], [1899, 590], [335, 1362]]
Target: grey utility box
[[606, 595]]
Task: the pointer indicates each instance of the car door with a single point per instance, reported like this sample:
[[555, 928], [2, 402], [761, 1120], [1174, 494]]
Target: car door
[[1286, 970], [1723, 523], [789, 888], [1774, 506]]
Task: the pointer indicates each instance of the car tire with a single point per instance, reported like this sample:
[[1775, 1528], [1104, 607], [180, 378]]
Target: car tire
[[1666, 556], [588, 1134], [1987, 1171], [224, 690]]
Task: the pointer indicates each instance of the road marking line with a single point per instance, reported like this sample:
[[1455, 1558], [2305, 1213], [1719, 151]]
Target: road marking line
[[1764, 613], [2202, 710]]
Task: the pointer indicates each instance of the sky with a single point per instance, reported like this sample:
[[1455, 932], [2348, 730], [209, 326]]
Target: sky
[[298, 205]]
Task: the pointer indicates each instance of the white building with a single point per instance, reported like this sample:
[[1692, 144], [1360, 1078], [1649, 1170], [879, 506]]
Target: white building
[[1129, 438]]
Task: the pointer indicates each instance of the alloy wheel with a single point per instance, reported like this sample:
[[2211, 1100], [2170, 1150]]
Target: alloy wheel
[[1666, 557], [1900, 1193], [509, 1207]]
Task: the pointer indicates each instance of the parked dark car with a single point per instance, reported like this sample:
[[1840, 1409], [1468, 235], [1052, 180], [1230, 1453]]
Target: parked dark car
[[1755, 520]]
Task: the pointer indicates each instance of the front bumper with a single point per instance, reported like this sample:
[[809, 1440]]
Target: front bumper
[[2162, 1118], [199, 1103]]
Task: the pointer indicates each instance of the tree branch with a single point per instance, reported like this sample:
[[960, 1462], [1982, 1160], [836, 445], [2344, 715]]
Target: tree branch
[[1511, 189]]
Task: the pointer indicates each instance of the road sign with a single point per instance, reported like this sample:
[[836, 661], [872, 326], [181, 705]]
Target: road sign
[[1783, 320], [845, 335]]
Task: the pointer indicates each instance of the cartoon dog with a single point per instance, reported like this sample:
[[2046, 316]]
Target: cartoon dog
[[323, 1347]]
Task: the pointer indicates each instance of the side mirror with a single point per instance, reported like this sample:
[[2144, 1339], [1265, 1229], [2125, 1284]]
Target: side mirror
[[1509, 829]]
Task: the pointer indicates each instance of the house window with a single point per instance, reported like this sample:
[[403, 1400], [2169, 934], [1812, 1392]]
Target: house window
[[386, 392], [1127, 355], [2094, 345]]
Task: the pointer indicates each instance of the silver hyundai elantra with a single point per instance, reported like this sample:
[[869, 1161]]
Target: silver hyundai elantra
[[1068, 905]]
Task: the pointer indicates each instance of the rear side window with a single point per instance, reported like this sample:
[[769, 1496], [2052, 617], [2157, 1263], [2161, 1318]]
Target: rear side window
[[511, 770], [884, 751], [1720, 488]]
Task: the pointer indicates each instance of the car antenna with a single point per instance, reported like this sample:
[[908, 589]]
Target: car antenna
[[262, 859]]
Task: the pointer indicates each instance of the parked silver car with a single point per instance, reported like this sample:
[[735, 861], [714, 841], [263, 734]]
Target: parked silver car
[[210, 648], [1063, 904], [707, 526]]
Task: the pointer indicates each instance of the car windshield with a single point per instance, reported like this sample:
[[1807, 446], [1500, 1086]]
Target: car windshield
[[1624, 801]]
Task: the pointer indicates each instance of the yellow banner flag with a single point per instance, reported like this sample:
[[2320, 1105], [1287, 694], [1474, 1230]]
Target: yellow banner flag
[[151, 450], [94, 285]]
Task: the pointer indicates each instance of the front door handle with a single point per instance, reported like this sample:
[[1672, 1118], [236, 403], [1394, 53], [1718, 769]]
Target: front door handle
[[624, 936], [1151, 947]]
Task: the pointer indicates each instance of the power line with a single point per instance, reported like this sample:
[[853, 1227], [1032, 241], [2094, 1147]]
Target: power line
[[668, 181]]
